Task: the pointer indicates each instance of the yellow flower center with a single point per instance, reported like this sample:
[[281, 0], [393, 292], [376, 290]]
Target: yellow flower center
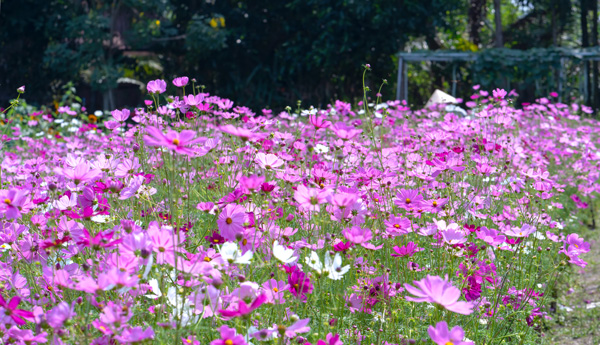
[[175, 141], [449, 343], [275, 289], [228, 221], [434, 203], [397, 226], [7, 201], [408, 201], [228, 342], [207, 259], [244, 241]]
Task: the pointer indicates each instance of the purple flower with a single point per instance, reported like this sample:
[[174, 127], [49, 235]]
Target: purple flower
[[57, 316], [442, 336], [439, 291], [156, 86]]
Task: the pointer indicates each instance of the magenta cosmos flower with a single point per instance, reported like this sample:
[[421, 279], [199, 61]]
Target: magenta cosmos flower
[[310, 198], [157, 86], [10, 309], [231, 221], [442, 336], [439, 291], [173, 140]]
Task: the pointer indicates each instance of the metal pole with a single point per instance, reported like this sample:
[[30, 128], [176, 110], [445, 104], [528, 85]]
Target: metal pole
[[560, 78], [453, 80], [586, 90], [405, 81], [400, 75]]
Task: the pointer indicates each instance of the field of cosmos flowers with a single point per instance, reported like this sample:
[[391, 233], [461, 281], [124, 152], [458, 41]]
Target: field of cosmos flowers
[[198, 221]]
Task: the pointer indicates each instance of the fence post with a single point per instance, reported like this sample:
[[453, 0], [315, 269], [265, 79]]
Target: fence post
[[453, 80], [400, 77]]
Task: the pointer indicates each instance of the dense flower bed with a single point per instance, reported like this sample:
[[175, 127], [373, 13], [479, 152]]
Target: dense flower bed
[[195, 221]]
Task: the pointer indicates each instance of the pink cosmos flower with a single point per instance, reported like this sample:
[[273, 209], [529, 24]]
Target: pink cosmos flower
[[156, 86], [319, 121], [344, 131], [490, 236], [408, 198], [26, 336], [57, 316], [173, 140], [243, 309], [310, 198], [578, 243], [252, 183], [357, 235], [434, 205], [12, 202], [228, 337], [524, 231], [241, 133], [81, 173], [300, 326], [434, 289], [268, 161], [231, 221], [408, 250], [121, 115], [275, 291], [135, 335], [397, 225], [442, 336], [180, 81], [454, 235]]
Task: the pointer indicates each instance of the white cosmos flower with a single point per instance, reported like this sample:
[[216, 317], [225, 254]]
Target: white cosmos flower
[[320, 148], [156, 293], [283, 254], [332, 267], [229, 252]]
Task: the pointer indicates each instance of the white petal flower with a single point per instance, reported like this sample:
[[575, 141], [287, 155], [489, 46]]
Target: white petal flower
[[314, 262], [229, 252], [283, 254], [336, 271], [156, 293]]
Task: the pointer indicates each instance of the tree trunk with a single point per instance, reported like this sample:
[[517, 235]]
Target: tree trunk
[[475, 18], [585, 42], [595, 44], [499, 43]]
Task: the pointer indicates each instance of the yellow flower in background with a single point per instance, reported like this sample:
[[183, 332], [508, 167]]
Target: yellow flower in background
[[217, 22], [157, 23]]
